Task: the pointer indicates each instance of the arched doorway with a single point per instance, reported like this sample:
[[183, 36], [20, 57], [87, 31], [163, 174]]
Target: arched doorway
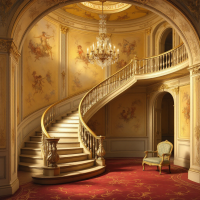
[[163, 119], [166, 41]]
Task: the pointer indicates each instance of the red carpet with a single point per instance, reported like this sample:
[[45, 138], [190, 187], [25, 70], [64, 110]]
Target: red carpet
[[123, 179]]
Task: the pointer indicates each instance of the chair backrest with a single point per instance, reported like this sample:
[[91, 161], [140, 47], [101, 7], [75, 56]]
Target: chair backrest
[[164, 147]]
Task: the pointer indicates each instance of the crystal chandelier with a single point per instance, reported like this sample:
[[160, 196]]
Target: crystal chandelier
[[102, 53]]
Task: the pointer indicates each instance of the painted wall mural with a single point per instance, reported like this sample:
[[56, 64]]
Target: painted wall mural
[[184, 112], [98, 122], [128, 118], [129, 45], [82, 75], [40, 66]]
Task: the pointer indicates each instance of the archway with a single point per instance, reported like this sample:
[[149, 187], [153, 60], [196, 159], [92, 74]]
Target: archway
[[21, 25], [166, 41], [163, 119]]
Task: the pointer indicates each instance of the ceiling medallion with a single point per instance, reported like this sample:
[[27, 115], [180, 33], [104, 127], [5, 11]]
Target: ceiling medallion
[[109, 7]]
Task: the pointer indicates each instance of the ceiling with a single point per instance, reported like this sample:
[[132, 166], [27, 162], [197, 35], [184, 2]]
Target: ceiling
[[115, 11]]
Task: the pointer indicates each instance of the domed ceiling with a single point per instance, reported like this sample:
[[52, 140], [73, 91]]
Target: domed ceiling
[[115, 11]]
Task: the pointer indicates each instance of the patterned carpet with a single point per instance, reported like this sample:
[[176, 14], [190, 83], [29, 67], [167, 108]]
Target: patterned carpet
[[123, 179]]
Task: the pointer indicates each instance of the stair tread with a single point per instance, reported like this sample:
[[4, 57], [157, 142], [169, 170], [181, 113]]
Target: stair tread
[[59, 137], [60, 164], [61, 156], [72, 173], [58, 148], [37, 142]]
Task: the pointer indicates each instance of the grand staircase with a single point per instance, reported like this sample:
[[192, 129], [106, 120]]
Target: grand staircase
[[74, 163]]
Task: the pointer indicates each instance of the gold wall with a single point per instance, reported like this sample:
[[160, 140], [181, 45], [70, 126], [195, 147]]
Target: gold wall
[[184, 112], [40, 66], [82, 75]]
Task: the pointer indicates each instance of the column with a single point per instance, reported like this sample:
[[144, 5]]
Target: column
[[9, 58], [194, 171]]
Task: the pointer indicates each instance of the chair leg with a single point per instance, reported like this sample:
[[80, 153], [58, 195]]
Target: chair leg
[[169, 169], [160, 169], [143, 165]]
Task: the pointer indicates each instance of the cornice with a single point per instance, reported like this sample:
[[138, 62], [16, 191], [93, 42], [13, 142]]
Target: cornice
[[8, 46], [72, 21]]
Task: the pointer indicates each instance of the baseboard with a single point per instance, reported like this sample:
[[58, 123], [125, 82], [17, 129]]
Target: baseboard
[[194, 175], [182, 163], [9, 189]]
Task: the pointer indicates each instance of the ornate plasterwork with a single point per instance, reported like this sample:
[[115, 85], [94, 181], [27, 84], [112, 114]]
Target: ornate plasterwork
[[148, 31], [9, 47], [64, 29], [176, 90], [195, 69], [5, 7]]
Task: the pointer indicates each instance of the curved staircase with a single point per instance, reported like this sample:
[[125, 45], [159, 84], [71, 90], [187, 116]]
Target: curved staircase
[[81, 150], [74, 163]]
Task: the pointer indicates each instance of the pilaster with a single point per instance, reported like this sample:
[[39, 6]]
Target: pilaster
[[9, 58], [194, 171]]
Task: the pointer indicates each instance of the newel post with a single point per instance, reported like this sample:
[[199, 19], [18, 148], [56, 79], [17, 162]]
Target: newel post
[[52, 158], [101, 152]]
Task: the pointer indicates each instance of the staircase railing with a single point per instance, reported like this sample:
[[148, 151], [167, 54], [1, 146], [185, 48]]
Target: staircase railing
[[163, 61], [136, 66], [48, 117]]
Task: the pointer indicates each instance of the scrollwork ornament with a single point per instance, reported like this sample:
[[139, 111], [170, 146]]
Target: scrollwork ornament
[[162, 87], [196, 70], [176, 90]]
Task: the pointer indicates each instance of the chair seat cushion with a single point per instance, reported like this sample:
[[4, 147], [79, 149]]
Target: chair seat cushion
[[155, 160]]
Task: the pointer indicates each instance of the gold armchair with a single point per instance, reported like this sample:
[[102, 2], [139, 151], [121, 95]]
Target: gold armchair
[[164, 150]]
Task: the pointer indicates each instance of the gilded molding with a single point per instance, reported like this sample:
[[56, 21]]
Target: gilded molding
[[64, 29], [148, 31], [9, 47], [176, 90], [195, 69]]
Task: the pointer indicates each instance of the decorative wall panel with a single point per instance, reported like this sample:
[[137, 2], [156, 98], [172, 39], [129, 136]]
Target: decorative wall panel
[[41, 63], [129, 44], [3, 91], [196, 140], [184, 112], [81, 74], [128, 116]]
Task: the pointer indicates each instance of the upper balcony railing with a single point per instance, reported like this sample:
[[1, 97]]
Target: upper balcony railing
[[92, 142]]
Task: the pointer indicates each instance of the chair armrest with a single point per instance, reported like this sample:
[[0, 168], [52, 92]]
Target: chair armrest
[[149, 151], [165, 154]]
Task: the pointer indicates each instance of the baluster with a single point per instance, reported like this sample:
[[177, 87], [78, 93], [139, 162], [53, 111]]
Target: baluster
[[93, 154], [96, 147], [177, 55], [91, 144]]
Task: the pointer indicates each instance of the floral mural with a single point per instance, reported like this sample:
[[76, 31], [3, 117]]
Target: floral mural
[[128, 118], [184, 99], [40, 66], [82, 75], [129, 44]]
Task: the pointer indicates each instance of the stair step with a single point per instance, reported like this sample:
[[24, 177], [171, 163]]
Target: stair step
[[58, 134], [65, 125], [62, 139], [60, 144], [36, 159], [74, 114], [70, 117], [69, 176], [64, 167], [61, 151], [71, 121], [61, 129]]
